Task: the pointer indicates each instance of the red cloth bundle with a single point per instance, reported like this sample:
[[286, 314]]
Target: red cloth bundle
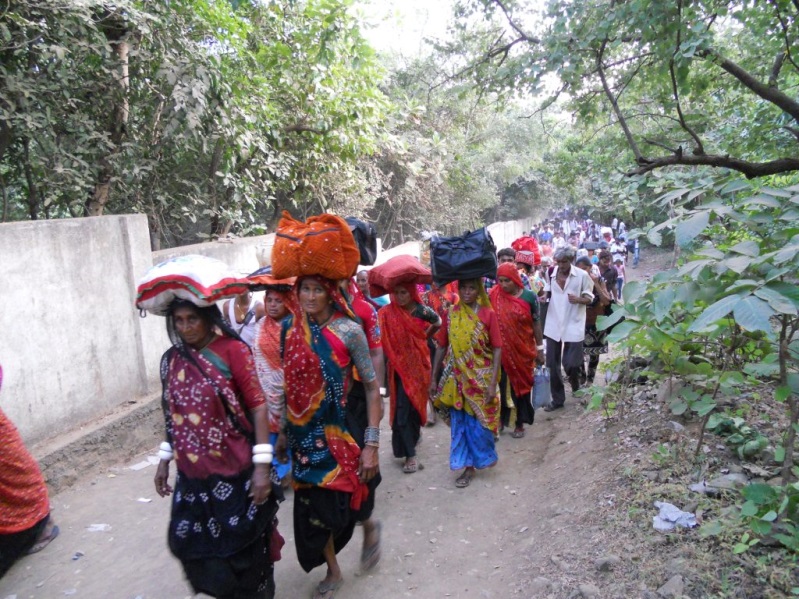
[[396, 271]]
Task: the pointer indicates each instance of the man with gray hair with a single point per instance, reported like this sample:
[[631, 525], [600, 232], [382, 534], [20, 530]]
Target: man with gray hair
[[570, 290]]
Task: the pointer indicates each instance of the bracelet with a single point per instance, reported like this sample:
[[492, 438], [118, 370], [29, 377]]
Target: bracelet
[[262, 448], [262, 458], [382, 391], [371, 435], [540, 347], [165, 452]]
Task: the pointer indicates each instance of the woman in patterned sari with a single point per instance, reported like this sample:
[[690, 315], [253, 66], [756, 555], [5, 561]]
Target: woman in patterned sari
[[406, 324], [330, 471], [522, 345], [280, 301], [467, 396], [223, 526]]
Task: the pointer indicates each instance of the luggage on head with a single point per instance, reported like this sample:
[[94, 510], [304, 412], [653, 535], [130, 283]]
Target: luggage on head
[[198, 279], [469, 256], [395, 271], [323, 245], [365, 236]]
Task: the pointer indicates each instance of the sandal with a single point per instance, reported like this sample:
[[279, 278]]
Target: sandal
[[327, 590], [370, 556], [412, 466], [463, 480], [518, 433], [42, 543]]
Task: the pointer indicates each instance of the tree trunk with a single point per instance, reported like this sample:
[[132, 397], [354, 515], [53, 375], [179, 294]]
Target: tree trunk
[[118, 123]]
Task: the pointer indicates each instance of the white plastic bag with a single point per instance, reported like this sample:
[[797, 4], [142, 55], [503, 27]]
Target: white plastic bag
[[541, 394]]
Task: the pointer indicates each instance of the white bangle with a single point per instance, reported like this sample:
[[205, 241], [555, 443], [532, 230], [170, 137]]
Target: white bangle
[[262, 458], [262, 448], [166, 456], [540, 347], [165, 446], [382, 391]]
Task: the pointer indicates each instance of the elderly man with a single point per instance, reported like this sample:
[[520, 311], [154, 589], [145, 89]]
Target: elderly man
[[570, 290]]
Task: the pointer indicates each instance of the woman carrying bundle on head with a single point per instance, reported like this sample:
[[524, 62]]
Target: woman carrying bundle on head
[[467, 396], [321, 345], [223, 525], [406, 324], [522, 344]]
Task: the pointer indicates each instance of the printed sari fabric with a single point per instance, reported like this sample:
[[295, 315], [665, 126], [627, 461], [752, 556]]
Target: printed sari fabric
[[215, 529], [515, 317], [317, 365], [469, 363], [405, 345]]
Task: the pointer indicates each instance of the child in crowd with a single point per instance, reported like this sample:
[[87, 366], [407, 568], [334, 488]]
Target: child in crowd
[[620, 279]]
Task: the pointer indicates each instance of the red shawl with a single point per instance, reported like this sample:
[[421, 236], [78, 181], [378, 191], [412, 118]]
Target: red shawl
[[516, 328], [405, 345]]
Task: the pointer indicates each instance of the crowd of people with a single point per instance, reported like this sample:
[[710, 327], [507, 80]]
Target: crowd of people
[[289, 390]]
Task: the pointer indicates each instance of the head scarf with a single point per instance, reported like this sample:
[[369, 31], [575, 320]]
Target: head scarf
[[509, 271]]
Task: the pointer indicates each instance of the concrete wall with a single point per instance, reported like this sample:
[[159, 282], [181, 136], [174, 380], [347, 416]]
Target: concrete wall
[[72, 345], [69, 332]]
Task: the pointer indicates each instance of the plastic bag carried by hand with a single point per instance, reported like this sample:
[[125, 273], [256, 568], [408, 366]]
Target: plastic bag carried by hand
[[541, 392]]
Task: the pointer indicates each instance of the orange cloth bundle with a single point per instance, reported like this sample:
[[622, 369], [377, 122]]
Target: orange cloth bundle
[[322, 246]]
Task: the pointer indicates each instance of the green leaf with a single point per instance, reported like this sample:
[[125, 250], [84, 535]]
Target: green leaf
[[769, 516], [781, 393], [738, 264], [689, 229], [714, 312], [759, 493], [622, 331], [663, 302], [776, 300], [678, 407], [749, 509], [632, 291], [603, 322], [747, 248], [779, 454], [752, 314]]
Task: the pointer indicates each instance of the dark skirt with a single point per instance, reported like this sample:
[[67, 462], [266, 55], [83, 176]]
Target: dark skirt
[[318, 514], [407, 425], [15, 545], [525, 414], [227, 544]]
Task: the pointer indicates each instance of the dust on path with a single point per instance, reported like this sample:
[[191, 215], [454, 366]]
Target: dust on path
[[524, 518]]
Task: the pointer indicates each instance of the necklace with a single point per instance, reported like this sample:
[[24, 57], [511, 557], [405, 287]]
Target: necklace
[[240, 312]]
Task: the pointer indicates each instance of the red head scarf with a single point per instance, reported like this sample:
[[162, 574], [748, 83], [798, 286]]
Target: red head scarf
[[509, 271]]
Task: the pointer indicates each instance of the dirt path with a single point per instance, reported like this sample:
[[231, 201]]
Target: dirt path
[[523, 528]]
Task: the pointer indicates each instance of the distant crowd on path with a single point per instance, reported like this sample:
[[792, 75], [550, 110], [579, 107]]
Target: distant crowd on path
[[287, 390]]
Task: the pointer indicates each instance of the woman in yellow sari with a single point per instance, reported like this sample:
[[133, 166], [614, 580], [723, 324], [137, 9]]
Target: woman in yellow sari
[[467, 396]]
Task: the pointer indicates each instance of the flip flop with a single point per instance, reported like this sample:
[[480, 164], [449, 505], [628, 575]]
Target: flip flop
[[326, 590], [370, 556], [411, 468], [39, 545], [463, 480], [517, 434]]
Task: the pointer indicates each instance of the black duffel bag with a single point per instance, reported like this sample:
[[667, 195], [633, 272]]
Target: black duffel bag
[[469, 256], [365, 236]]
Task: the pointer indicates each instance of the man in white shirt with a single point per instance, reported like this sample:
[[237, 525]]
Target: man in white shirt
[[570, 290]]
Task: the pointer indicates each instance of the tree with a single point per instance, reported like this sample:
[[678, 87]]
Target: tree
[[685, 83]]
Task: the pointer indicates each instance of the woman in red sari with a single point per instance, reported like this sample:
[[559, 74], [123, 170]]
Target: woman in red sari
[[522, 344], [406, 324]]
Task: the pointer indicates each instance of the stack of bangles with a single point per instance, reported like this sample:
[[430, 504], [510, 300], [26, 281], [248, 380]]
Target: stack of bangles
[[371, 436], [165, 452], [262, 453]]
